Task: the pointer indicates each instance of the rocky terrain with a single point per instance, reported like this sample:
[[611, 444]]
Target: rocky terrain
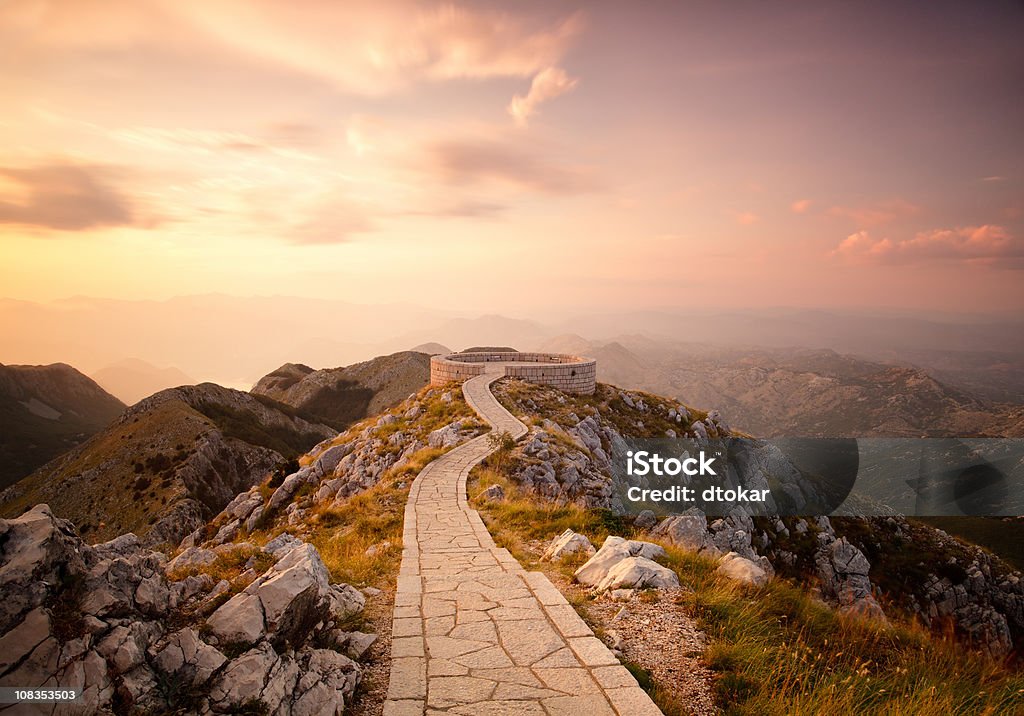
[[340, 396], [46, 410], [859, 565], [244, 616], [139, 634], [247, 607], [167, 464], [340, 467], [799, 392]]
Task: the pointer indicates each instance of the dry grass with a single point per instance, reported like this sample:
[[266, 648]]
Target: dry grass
[[776, 649], [343, 534]]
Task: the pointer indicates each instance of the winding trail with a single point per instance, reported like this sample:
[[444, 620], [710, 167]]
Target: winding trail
[[475, 633]]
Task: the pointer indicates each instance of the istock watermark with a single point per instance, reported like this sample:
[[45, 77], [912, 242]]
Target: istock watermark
[[816, 476]]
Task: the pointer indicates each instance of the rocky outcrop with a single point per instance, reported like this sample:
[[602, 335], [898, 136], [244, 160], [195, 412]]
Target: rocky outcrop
[[568, 543], [844, 573], [626, 564], [98, 618], [345, 465], [742, 569]]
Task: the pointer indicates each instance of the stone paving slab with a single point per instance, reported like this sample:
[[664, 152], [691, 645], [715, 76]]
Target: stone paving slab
[[475, 633]]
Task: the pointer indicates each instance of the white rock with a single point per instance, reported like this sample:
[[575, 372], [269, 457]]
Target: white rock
[[244, 678], [613, 551], [568, 542], [689, 531], [16, 644], [238, 620], [192, 557], [638, 573], [187, 658], [300, 571], [330, 458], [742, 569], [281, 545]]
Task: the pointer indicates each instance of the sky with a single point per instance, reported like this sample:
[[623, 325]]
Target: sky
[[511, 157]]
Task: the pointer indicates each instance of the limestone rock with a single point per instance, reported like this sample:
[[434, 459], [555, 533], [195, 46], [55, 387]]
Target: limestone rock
[[613, 551], [688, 530], [645, 520], [638, 573], [567, 543], [186, 658], [494, 493], [239, 620], [329, 459], [843, 570], [281, 545], [357, 643], [243, 679], [192, 558], [36, 551], [742, 569], [125, 646]]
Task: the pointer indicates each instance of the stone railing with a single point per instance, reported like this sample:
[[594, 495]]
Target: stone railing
[[568, 373]]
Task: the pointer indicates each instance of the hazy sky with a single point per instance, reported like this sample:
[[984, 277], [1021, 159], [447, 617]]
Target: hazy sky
[[503, 156]]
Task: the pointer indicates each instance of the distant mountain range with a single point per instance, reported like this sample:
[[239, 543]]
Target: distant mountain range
[[798, 392], [233, 340], [44, 411], [132, 379]]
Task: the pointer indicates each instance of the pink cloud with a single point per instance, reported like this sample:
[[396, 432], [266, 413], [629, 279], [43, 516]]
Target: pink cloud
[[746, 218], [547, 84], [800, 206], [877, 214], [986, 244]]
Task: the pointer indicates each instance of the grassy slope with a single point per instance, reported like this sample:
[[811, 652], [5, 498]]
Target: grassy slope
[[777, 650], [343, 533], [101, 479], [1004, 538]]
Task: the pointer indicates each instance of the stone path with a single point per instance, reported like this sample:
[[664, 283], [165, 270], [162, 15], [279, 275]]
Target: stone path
[[475, 633]]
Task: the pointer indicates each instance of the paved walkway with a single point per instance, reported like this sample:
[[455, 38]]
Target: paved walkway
[[475, 633]]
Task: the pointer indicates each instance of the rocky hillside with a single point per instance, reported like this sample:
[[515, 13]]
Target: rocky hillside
[[250, 629], [797, 392], [248, 614], [167, 464], [859, 565], [259, 608], [340, 396], [44, 411]]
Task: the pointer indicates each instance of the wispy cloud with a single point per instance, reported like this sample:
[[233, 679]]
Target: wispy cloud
[[878, 213], [374, 47], [986, 244], [746, 218], [547, 84], [468, 162], [65, 197]]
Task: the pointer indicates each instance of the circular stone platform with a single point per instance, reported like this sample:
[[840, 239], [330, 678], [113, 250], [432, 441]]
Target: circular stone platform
[[568, 373]]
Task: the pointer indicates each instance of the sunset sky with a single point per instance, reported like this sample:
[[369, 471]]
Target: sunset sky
[[504, 156]]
